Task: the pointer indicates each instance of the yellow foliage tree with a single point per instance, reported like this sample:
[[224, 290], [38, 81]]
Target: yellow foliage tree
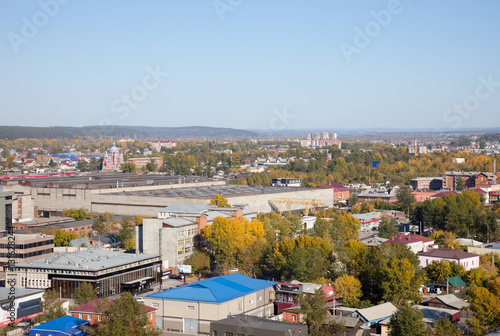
[[219, 201]]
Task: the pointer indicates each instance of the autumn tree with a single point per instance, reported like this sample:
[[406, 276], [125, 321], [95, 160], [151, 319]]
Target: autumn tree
[[52, 305], [387, 227], [84, 293], [401, 282], [125, 236], [340, 227], [486, 307], [62, 237], [443, 269], [128, 167], [407, 321], [444, 239], [219, 201], [349, 288], [99, 226], [315, 311], [78, 214]]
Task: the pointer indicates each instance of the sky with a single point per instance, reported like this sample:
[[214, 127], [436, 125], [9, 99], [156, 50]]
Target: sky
[[259, 64]]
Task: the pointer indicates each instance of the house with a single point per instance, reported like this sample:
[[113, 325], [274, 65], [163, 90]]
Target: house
[[191, 308], [256, 326], [427, 183], [453, 285], [372, 315], [448, 301], [416, 243], [63, 326], [368, 220], [467, 260], [90, 312], [352, 326]]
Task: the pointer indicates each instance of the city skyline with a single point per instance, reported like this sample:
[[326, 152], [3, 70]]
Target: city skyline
[[250, 65]]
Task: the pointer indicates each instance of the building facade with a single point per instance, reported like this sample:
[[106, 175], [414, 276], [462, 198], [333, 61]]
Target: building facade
[[109, 272], [427, 183], [467, 260], [113, 159], [26, 247], [322, 139], [143, 162]]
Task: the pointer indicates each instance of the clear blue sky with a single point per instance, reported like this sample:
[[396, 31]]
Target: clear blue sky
[[238, 64]]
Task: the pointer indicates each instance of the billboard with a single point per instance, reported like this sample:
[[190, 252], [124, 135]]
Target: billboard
[[184, 268]]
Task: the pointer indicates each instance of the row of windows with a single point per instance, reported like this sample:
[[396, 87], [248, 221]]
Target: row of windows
[[35, 283], [26, 255], [187, 232]]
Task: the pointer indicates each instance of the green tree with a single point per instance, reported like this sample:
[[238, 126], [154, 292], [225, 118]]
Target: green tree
[[84, 293], [349, 288], [99, 226], [78, 214], [129, 167], [387, 227], [200, 261], [401, 282], [152, 166], [353, 199], [459, 184], [405, 199], [443, 326], [443, 269], [52, 305], [125, 233], [408, 321], [123, 316], [315, 311], [219, 201]]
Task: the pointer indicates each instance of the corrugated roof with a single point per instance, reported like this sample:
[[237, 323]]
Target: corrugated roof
[[65, 323], [217, 290], [456, 281], [452, 300], [378, 312]]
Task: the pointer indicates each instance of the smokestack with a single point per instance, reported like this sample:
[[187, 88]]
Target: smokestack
[[416, 147]]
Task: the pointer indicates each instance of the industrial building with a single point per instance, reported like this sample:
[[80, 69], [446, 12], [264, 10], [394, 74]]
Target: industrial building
[[109, 272], [191, 308], [25, 247]]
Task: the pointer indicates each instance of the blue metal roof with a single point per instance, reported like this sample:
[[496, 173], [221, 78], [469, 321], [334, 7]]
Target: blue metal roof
[[217, 290], [65, 325]]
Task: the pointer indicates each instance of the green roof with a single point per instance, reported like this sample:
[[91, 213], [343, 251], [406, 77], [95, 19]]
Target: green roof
[[456, 281]]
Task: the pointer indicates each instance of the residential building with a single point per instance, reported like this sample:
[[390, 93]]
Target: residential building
[[286, 182], [90, 312], [471, 179], [26, 247], [452, 285], [157, 145], [25, 305], [63, 326], [191, 308], [287, 296], [246, 325], [427, 183], [113, 159], [322, 139], [467, 260], [176, 232], [340, 193], [368, 220], [142, 162], [371, 195], [109, 272]]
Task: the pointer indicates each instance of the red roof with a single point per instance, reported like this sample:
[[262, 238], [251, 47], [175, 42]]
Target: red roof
[[422, 238], [403, 239], [441, 194], [479, 191], [448, 254], [91, 307], [336, 186]]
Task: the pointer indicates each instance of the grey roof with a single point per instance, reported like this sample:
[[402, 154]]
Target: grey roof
[[93, 260], [349, 322], [178, 221], [452, 300], [491, 246], [431, 314], [378, 312], [468, 242], [186, 208], [254, 322]]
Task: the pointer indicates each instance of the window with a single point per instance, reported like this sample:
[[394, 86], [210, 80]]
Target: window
[[99, 318], [214, 332], [294, 318], [250, 301], [260, 298], [81, 316], [228, 334], [190, 307], [89, 317]]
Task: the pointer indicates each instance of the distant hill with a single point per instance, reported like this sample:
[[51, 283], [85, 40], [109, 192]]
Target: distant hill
[[135, 132]]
